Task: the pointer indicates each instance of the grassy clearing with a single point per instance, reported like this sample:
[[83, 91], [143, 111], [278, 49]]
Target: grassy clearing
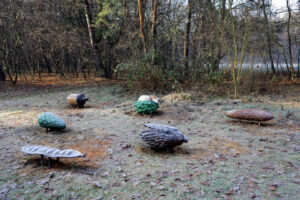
[[224, 159]]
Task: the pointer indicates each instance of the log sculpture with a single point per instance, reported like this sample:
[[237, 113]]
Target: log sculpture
[[250, 114], [51, 153], [160, 136], [50, 121], [77, 100]]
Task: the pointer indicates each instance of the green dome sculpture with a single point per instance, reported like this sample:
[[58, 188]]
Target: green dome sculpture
[[145, 107], [50, 121]]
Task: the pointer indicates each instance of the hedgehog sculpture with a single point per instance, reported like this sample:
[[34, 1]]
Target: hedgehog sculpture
[[77, 100], [250, 114], [160, 136], [51, 153]]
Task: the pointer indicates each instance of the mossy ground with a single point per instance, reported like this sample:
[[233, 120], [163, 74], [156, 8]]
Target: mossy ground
[[224, 159]]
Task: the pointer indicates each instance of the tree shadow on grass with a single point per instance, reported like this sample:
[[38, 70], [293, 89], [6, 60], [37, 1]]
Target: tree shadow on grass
[[247, 123], [34, 163], [160, 152]]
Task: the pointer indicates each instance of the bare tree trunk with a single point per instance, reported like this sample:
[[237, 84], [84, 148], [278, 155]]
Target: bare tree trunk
[[2, 74], [289, 38], [299, 58], [268, 37], [92, 37], [141, 18], [153, 30], [154, 19], [222, 18], [88, 18], [187, 39]]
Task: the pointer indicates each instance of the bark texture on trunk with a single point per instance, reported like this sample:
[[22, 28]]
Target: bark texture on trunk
[[154, 19], [93, 40], [2, 75], [141, 18], [187, 38], [88, 18], [268, 37], [289, 36], [153, 29]]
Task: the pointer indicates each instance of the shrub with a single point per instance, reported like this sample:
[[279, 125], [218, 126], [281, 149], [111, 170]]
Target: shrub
[[148, 76]]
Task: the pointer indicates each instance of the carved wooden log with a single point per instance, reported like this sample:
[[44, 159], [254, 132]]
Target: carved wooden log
[[160, 136], [250, 114], [77, 100], [51, 153]]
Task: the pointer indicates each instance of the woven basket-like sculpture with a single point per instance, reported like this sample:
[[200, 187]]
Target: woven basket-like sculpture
[[51, 153], [160, 136], [145, 107], [250, 114], [50, 121], [77, 100]]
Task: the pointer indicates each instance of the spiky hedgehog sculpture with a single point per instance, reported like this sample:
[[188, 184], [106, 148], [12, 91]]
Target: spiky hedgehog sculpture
[[51, 153], [77, 100], [258, 115], [160, 136]]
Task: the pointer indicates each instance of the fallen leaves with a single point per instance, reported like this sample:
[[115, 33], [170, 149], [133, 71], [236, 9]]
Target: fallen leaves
[[97, 184], [274, 186]]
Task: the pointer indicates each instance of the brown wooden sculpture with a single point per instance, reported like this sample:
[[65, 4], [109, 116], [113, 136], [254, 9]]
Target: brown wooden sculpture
[[250, 114], [77, 100]]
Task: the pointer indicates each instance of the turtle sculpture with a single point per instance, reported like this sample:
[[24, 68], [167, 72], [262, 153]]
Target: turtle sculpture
[[160, 136], [77, 100], [50, 121], [258, 115], [145, 105], [51, 153]]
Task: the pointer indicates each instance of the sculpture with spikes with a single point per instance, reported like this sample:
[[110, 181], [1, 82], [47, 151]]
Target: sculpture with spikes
[[160, 136]]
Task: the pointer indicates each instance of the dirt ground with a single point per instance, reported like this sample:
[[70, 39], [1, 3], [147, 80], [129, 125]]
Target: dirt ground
[[224, 159]]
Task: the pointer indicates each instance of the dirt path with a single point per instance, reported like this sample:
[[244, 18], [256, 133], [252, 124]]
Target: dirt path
[[224, 159]]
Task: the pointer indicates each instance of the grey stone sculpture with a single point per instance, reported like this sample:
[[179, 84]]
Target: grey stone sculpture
[[160, 136], [51, 153]]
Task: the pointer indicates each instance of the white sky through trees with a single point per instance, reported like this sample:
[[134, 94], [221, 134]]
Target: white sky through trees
[[282, 3]]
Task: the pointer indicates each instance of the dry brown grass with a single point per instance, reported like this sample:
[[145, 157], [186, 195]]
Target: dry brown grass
[[217, 145], [94, 150]]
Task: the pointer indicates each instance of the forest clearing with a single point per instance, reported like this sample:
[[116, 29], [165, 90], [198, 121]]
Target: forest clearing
[[223, 159], [149, 99]]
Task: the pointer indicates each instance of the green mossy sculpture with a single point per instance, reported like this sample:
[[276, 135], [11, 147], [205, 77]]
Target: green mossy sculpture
[[145, 107], [51, 121]]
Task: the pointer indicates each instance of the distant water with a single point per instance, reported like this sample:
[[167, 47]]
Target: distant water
[[261, 66]]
